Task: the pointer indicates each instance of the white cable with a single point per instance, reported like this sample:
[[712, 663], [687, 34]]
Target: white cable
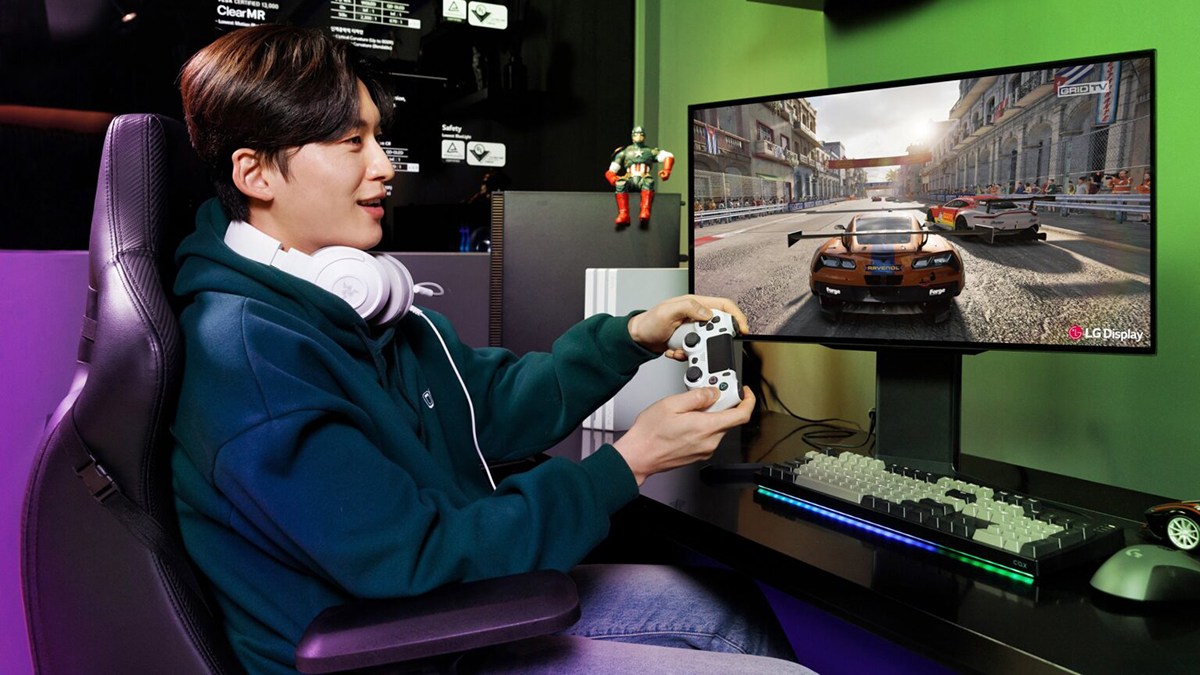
[[429, 288], [470, 406]]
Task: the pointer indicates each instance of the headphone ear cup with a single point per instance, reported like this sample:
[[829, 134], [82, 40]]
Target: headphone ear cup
[[353, 275], [401, 283]]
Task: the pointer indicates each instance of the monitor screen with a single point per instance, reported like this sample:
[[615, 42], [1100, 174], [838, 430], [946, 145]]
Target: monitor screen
[[1003, 209]]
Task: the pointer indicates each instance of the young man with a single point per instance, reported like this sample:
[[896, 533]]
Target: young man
[[325, 455]]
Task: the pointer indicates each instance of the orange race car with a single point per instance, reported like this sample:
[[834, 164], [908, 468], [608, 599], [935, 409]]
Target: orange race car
[[885, 260], [1002, 215]]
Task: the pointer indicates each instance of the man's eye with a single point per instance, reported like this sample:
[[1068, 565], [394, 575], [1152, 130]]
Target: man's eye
[[356, 140]]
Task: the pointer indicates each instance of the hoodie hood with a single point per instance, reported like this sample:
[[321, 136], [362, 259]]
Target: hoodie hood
[[207, 265]]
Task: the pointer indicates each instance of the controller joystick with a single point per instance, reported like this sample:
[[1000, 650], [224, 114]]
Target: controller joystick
[[709, 349]]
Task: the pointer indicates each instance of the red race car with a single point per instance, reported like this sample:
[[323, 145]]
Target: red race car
[[1003, 216]]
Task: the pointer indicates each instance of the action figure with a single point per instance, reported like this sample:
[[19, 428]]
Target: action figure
[[636, 160]]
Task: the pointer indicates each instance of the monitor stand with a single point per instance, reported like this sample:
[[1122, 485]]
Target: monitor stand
[[918, 408]]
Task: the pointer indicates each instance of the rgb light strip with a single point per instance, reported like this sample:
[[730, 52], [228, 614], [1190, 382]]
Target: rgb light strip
[[965, 558]]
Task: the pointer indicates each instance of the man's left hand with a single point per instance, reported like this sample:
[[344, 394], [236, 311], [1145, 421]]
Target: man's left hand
[[654, 327]]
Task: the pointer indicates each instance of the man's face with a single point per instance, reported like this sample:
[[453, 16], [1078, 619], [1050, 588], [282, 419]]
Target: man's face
[[638, 137], [334, 191]]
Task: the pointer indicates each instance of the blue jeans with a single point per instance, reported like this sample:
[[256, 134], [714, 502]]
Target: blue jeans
[[657, 619]]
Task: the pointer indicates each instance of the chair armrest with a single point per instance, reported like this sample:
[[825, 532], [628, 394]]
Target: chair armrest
[[451, 619]]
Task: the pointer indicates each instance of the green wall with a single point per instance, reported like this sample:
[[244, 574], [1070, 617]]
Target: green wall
[[1120, 420], [692, 51]]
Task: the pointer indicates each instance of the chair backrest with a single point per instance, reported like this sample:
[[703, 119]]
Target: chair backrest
[[97, 600]]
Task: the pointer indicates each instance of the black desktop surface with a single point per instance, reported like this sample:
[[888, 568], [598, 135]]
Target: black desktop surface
[[970, 619]]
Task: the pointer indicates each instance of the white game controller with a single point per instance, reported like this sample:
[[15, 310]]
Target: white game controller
[[709, 348]]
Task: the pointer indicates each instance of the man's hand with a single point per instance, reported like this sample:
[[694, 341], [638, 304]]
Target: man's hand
[[676, 431], [652, 328]]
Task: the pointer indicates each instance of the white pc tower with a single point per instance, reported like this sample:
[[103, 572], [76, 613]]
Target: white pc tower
[[618, 291]]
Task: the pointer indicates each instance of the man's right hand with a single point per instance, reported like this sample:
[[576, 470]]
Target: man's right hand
[[676, 431]]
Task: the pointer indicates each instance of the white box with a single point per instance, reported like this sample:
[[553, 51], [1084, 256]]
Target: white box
[[618, 291]]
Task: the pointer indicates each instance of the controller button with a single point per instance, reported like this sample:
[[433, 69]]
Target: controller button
[[693, 374], [712, 380], [691, 339], [723, 386]]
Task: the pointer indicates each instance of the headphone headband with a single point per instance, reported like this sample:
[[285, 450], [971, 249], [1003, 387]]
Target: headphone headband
[[378, 287]]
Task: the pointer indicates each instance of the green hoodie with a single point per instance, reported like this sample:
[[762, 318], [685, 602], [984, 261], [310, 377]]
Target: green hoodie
[[319, 460]]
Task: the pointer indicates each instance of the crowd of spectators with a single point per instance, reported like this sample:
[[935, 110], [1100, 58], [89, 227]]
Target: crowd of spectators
[[702, 204], [1096, 182], [1091, 183]]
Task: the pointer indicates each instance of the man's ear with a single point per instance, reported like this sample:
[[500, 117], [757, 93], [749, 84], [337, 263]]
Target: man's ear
[[251, 175]]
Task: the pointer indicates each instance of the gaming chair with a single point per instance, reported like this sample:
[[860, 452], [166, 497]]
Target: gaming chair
[[106, 583]]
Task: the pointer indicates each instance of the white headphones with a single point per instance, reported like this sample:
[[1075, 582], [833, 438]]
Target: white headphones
[[377, 286]]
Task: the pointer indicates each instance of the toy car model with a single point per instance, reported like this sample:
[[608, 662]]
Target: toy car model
[[886, 259], [1176, 522], [876, 198], [1004, 216]]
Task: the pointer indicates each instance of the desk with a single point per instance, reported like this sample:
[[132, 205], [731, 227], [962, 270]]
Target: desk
[[970, 620]]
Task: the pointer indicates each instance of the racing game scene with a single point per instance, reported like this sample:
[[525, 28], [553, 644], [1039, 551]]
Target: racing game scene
[[1007, 208]]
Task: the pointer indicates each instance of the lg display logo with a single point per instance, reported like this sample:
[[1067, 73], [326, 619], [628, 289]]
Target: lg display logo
[[1077, 333]]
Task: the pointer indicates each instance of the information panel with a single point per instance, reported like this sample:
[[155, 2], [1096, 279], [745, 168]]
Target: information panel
[[434, 55], [372, 25]]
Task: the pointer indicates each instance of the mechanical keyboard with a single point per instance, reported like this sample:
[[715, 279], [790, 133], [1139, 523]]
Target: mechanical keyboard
[[981, 525]]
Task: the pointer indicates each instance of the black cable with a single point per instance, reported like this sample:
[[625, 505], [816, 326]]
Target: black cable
[[870, 438], [826, 427], [771, 388]]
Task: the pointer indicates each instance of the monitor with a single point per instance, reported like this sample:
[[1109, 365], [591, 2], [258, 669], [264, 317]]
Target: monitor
[[925, 219]]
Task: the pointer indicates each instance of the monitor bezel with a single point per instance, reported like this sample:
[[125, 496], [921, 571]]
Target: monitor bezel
[[859, 343]]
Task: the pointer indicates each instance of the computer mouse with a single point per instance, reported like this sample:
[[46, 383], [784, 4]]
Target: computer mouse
[[1150, 573]]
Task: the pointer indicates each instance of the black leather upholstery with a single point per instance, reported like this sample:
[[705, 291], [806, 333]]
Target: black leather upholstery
[[97, 600]]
